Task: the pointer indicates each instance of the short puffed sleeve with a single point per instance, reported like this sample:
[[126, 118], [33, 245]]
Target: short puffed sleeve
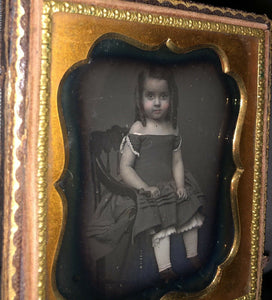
[[133, 141], [177, 143]]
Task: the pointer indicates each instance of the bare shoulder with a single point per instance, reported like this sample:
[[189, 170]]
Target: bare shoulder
[[137, 127]]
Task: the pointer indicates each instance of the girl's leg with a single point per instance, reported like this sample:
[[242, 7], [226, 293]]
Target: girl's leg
[[162, 253], [190, 239]]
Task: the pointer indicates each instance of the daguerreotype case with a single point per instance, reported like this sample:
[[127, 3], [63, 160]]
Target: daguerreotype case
[[136, 149]]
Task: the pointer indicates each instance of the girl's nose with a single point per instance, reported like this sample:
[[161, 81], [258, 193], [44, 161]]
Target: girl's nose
[[157, 101]]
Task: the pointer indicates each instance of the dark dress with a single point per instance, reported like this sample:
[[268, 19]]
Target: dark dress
[[153, 164]]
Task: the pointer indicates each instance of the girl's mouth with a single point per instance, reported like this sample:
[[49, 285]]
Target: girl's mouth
[[157, 111]]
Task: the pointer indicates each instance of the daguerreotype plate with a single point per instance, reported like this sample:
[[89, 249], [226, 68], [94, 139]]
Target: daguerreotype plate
[[150, 167], [98, 100]]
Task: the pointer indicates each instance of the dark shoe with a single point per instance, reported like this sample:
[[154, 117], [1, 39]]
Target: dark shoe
[[168, 275], [196, 262]]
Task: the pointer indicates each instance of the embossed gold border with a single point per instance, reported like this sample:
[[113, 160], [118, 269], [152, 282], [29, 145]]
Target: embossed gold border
[[14, 99], [52, 7]]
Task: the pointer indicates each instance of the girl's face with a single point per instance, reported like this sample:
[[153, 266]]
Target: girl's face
[[156, 99]]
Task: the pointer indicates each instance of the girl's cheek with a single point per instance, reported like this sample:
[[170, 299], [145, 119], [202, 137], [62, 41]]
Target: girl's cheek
[[147, 105], [165, 105]]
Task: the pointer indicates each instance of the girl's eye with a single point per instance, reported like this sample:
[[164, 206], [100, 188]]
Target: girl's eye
[[164, 96], [150, 96]]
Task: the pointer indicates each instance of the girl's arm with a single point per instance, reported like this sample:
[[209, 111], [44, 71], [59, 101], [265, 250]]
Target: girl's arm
[[127, 171], [178, 173]]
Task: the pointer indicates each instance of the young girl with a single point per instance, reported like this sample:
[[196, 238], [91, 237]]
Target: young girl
[[168, 198]]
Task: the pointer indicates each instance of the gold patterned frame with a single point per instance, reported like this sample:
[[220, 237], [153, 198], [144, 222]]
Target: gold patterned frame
[[44, 218]]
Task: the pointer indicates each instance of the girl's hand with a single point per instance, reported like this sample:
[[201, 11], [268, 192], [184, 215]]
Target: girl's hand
[[153, 190], [182, 193]]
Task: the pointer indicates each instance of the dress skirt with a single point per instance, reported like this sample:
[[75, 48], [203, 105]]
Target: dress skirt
[[116, 215]]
